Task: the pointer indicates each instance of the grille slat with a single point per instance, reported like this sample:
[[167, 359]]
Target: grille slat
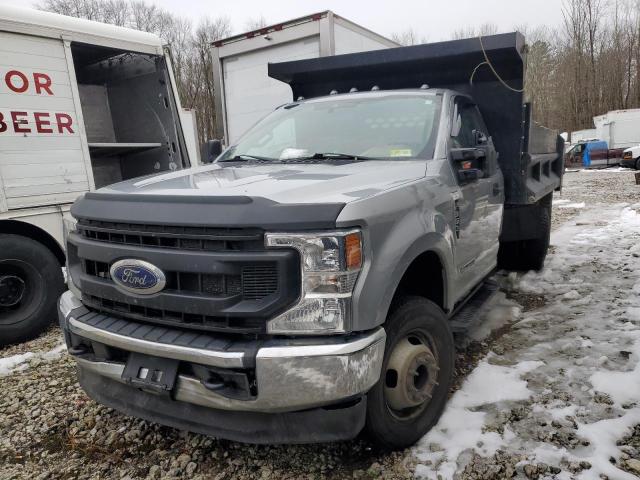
[[170, 317], [255, 282], [259, 281], [187, 238]]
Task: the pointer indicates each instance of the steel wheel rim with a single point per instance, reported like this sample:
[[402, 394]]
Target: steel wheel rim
[[32, 293], [411, 375]]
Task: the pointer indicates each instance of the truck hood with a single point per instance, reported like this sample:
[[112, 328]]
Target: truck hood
[[330, 182]]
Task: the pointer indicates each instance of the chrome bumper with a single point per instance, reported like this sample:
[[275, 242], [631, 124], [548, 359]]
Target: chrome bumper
[[289, 377]]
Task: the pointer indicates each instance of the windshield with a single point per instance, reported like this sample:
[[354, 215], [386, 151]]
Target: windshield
[[396, 126]]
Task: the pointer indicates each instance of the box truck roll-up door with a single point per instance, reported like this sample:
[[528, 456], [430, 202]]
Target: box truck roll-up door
[[41, 156], [250, 92]]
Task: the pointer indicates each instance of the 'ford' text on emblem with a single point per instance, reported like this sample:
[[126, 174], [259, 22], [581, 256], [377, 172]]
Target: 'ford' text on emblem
[[137, 276]]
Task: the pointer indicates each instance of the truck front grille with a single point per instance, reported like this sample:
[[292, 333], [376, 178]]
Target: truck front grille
[[217, 279]]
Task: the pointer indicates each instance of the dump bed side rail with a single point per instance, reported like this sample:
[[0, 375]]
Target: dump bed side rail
[[542, 159]]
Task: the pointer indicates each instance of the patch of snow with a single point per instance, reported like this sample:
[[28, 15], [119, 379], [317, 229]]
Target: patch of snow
[[54, 353], [461, 427], [605, 170], [19, 362], [557, 413], [602, 437], [9, 364], [571, 295], [498, 311], [622, 386], [572, 205], [490, 383]]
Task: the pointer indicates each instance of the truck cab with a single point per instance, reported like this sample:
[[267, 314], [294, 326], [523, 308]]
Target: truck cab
[[305, 286], [631, 157]]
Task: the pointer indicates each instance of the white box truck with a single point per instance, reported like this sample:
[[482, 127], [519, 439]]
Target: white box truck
[[244, 92], [619, 128], [82, 105]]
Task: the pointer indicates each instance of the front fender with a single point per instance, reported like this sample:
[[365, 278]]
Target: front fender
[[398, 226], [431, 242]]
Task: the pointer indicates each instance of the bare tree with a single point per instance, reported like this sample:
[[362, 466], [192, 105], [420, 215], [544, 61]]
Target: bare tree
[[408, 37], [471, 31], [207, 32], [585, 67], [255, 23], [189, 47]]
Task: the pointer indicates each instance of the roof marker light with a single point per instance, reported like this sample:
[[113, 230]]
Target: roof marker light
[[333, 92], [300, 98], [375, 88], [424, 86], [353, 90]]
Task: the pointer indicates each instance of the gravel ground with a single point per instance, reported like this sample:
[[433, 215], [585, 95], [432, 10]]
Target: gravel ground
[[50, 429]]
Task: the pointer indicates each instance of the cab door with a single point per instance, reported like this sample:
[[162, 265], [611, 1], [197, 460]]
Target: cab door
[[480, 197]]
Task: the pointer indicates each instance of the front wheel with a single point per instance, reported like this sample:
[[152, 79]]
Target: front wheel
[[417, 372], [30, 283]]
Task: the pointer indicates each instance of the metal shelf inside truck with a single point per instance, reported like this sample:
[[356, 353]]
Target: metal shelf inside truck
[[111, 149]]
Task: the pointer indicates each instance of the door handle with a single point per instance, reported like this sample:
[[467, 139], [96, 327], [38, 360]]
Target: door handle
[[497, 189]]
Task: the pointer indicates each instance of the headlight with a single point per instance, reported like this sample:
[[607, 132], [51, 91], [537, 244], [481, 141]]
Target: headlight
[[331, 262]]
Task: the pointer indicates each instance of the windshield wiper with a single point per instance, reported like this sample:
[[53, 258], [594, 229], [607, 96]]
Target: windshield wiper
[[245, 158], [331, 156]]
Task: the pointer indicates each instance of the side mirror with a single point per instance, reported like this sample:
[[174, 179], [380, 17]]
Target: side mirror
[[479, 138], [467, 161], [211, 150]]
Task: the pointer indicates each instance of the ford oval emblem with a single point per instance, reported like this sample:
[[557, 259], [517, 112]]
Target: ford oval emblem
[[137, 276]]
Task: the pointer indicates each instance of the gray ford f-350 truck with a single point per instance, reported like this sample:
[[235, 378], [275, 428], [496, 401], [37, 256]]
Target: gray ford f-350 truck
[[305, 286]]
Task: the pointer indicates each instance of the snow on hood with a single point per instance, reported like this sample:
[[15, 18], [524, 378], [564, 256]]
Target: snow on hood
[[330, 182]]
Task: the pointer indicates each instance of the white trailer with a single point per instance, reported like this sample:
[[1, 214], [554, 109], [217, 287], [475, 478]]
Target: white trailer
[[82, 105], [619, 128], [244, 92], [583, 135]]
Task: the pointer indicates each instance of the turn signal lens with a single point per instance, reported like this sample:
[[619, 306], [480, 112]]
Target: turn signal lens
[[353, 251]]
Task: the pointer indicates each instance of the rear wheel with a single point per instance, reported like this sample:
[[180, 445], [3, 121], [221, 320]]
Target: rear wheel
[[638, 163], [416, 375], [30, 283]]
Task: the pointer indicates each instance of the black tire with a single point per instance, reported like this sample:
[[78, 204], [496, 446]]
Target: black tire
[[638, 163], [31, 282], [392, 429], [525, 255]]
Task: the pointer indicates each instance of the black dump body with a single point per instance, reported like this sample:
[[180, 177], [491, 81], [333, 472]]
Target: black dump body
[[530, 155]]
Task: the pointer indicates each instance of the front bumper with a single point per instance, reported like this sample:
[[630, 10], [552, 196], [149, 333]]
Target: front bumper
[[628, 162], [291, 374]]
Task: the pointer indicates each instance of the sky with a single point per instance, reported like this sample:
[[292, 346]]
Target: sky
[[431, 20]]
